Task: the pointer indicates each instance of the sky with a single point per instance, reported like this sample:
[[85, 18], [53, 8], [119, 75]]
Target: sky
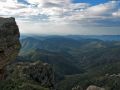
[[64, 17]]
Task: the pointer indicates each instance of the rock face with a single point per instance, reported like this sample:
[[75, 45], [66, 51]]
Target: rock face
[[92, 87], [42, 73], [9, 41]]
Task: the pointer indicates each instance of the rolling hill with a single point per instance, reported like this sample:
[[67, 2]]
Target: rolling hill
[[84, 60]]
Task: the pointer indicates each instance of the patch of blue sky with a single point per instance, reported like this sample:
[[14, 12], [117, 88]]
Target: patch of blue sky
[[92, 2]]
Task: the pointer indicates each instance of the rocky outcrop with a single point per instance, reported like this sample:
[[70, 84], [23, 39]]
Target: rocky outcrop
[[42, 73], [20, 75], [36, 75], [77, 88], [93, 87], [9, 42]]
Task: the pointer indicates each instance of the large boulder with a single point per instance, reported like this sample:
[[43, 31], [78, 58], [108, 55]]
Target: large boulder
[[9, 42], [93, 87]]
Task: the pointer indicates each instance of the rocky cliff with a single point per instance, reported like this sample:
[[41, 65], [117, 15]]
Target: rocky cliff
[[20, 75], [9, 42], [27, 75]]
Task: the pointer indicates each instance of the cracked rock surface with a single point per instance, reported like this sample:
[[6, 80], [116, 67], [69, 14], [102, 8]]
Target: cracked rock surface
[[9, 41]]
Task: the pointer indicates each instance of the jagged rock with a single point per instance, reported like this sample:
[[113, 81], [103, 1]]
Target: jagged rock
[[9, 42], [77, 88], [41, 73], [34, 75], [93, 87]]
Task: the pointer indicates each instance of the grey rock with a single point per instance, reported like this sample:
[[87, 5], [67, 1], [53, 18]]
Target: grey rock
[[93, 87], [9, 41], [42, 73], [77, 88]]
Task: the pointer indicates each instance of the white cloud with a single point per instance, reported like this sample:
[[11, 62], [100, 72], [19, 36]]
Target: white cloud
[[63, 12], [10, 7], [94, 15], [116, 14], [45, 1], [97, 11]]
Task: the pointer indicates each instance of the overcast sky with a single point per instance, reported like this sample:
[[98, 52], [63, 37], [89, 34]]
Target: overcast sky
[[61, 17]]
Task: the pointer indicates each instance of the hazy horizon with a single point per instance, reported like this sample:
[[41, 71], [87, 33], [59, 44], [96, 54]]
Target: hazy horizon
[[27, 34]]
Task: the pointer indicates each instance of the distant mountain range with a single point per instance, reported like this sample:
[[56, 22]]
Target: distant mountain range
[[78, 61], [77, 37]]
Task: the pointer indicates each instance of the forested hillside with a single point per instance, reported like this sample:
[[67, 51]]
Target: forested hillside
[[77, 62]]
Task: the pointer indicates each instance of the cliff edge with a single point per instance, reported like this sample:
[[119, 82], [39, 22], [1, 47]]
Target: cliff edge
[[20, 75], [9, 42]]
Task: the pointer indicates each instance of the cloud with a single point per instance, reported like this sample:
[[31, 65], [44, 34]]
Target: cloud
[[102, 9], [46, 1], [95, 15], [62, 11], [116, 14], [10, 7], [65, 29], [35, 1], [63, 16]]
